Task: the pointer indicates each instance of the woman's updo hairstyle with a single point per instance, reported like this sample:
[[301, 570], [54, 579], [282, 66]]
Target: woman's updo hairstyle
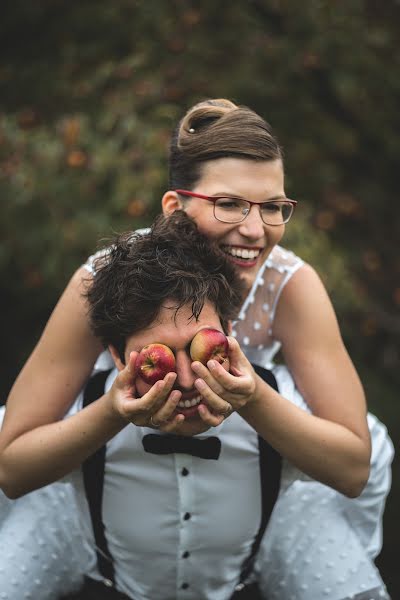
[[217, 129]]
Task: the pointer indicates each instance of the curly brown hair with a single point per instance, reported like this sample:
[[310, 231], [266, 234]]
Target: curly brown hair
[[137, 273]]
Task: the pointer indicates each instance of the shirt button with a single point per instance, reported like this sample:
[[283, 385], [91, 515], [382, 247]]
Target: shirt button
[[184, 472], [187, 516], [186, 554], [184, 586]]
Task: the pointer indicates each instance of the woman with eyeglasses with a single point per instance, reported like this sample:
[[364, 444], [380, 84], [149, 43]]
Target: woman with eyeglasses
[[226, 173]]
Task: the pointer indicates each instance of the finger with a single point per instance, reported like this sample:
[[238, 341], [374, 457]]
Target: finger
[[204, 373], [173, 425], [167, 409], [227, 380], [159, 392], [126, 377], [222, 382], [236, 372], [153, 399], [152, 423], [228, 411], [218, 405], [236, 355], [132, 361], [208, 417], [214, 372], [165, 390]]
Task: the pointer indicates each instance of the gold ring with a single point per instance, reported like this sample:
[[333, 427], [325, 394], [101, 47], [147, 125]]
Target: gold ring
[[154, 424]]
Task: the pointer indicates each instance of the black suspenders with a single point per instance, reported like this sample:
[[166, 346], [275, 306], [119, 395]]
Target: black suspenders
[[270, 474], [93, 476]]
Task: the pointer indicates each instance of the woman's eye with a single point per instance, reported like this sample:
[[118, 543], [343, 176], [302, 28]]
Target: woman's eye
[[271, 207], [229, 203]]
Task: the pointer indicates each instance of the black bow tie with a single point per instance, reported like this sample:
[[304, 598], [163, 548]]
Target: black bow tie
[[168, 444]]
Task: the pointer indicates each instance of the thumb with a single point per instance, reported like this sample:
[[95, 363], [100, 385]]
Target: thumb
[[238, 360], [127, 375]]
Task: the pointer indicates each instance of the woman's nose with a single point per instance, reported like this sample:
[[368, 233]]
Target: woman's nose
[[185, 376], [253, 225]]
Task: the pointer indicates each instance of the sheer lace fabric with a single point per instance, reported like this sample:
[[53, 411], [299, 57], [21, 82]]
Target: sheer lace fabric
[[254, 327]]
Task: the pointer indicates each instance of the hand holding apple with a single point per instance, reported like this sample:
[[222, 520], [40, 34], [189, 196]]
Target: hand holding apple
[[154, 361], [209, 344], [158, 401], [220, 386]]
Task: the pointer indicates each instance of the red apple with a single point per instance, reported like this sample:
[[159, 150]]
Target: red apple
[[154, 361], [209, 344]]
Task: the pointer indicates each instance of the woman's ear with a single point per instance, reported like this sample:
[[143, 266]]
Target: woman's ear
[[170, 202], [116, 357]]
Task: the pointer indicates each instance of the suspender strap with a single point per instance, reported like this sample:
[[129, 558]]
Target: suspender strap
[[93, 478], [270, 474]]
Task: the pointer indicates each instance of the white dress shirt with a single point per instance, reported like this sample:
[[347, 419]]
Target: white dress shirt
[[179, 526]]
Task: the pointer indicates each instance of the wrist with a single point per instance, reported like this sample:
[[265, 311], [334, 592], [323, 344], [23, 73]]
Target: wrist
[[112, 413], [257, 397], [258, 392]]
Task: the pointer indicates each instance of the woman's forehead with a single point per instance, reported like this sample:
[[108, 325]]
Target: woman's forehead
[[226, 175]]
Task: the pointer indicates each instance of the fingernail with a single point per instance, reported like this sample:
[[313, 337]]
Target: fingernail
[[200, 384], [211, 364]]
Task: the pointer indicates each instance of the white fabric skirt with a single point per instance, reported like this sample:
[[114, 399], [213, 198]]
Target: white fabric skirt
[[319, 543]]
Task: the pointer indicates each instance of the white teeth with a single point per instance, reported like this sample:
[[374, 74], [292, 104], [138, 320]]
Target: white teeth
[[242, 252], [189, 403]]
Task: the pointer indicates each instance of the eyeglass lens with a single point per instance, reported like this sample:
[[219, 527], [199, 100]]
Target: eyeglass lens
[[234, 210]]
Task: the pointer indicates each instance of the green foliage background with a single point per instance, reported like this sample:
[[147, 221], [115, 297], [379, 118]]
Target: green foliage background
[[89, 93]]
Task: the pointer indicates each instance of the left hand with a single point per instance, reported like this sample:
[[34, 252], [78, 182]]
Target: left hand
[[155, 408], [225, 392]]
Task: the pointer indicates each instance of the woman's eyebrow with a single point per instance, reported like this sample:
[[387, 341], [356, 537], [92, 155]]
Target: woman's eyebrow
[[235, 196]]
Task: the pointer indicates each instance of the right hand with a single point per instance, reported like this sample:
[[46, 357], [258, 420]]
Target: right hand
[[154, 409]]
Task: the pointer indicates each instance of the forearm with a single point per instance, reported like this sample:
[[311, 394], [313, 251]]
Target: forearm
[[324, 450], [49, 452]]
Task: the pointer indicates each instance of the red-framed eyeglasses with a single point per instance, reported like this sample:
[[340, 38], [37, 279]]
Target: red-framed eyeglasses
[[234, 210]]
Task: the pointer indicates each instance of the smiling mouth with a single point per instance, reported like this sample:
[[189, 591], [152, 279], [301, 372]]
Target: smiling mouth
[[189, 407], [244, 254], [190, 403]]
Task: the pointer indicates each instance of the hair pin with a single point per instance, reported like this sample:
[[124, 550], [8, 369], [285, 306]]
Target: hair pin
[[191, 130]]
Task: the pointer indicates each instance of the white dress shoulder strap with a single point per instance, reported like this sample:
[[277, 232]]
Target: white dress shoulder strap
[[280, 267], [90, 263]]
